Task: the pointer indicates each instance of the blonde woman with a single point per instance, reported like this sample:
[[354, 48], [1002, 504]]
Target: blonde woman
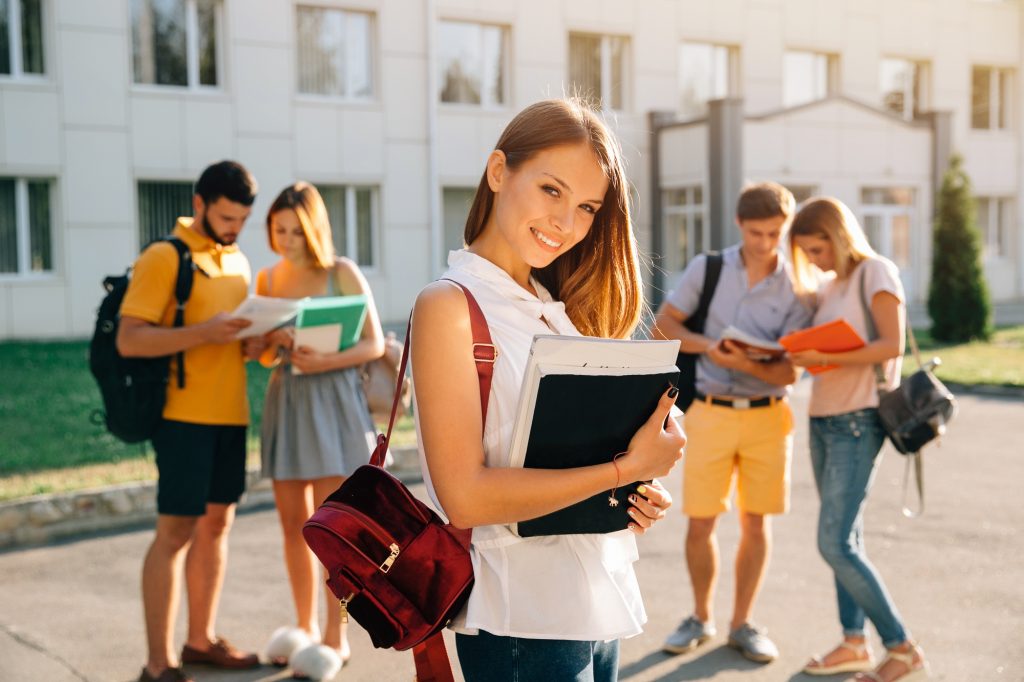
[[550, 249], [846, 434], [316, 426]]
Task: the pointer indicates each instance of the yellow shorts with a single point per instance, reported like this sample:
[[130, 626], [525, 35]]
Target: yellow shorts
[[756, 444]]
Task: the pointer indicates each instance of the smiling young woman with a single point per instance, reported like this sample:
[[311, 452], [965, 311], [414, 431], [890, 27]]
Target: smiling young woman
[[550, 249]]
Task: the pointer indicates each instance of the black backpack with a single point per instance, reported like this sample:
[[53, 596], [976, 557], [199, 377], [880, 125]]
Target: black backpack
[[687, 362], [134, 390]]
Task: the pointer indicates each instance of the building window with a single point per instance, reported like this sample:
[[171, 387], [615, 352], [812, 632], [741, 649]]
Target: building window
[[995, 221], [160, 205], [21, 37], [352, 211], [808, 76], [904, 86], [888, 222], [685, 226], [706, 72], [456, 202], [597, 68], [802, 193], [176, 42], [26, 226], [472, 59], [335, 52], [990, 98]]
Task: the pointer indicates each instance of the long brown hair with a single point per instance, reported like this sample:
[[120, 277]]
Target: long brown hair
[[830, 219], [598, 280], [305, 200]]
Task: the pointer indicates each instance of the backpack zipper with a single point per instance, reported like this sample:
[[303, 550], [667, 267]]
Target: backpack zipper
[[374, 528]]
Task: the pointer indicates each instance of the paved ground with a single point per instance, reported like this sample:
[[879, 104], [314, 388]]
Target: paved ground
[[70, 612]]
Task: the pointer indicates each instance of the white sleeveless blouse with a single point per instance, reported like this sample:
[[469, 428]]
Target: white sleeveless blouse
[[577, 587]]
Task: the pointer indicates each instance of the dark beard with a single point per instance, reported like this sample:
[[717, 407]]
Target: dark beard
[[208, 230]]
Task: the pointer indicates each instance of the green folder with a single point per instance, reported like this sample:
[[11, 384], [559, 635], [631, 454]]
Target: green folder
[[348, 311]]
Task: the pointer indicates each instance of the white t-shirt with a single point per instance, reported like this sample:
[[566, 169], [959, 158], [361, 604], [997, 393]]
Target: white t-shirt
[[854, 387], [578, 587]]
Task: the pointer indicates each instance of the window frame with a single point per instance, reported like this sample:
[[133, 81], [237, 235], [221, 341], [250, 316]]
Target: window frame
[[689, 211], [606, 68], [23, 230], [193, 86], [351, 223], [919, 89], [15, 45], [506, 70], [997, 234], [733, 79], [372, 40], [887, 212], [1001, 79], [831, 75]]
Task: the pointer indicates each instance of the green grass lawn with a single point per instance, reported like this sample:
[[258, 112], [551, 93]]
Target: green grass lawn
[[997, 362], [48, 441]]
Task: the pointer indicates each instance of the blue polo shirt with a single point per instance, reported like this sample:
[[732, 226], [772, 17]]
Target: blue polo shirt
[[769, 310]]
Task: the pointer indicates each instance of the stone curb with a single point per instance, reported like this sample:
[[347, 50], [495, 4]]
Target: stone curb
[[41, 519], [1010, 392]]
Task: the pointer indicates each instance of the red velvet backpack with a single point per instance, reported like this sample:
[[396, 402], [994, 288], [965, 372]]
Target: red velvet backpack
[[395, 566]]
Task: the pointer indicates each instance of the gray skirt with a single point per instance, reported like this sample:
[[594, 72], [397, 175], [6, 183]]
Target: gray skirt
[[315, 425]]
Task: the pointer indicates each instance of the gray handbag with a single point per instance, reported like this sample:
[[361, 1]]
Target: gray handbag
[[915, 412]]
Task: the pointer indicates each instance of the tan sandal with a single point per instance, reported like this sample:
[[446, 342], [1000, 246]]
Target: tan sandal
[[914, 673], [860, 664]]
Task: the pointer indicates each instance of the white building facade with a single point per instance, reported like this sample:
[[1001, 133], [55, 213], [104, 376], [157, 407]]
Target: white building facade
[[109, 109]]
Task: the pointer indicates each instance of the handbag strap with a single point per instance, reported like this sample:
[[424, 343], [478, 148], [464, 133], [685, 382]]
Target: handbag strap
[[485, 353], [918, 463], [431, 659]]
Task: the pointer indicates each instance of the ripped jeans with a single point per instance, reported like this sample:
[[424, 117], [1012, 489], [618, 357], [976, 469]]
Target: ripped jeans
[[844, 454]]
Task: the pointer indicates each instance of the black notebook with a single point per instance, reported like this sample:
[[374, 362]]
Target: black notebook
[[582, 401]]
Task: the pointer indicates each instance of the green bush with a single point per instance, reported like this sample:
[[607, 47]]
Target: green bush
[[958, 300]]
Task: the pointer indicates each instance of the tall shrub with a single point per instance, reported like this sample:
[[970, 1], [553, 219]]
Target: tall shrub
[[958, 300]]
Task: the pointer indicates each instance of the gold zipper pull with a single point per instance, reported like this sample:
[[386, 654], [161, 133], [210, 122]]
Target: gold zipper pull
[[344, 607], [386, 566]]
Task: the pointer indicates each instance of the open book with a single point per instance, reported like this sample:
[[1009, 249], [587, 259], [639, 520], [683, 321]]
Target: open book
[[755, 348], [582, 400], [836, 336], [266, 313]]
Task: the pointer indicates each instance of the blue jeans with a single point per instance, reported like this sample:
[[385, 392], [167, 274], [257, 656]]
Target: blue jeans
[[844, 454], [490, 658]]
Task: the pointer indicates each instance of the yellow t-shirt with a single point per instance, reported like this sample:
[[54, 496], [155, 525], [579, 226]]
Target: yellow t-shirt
[[214, 390]]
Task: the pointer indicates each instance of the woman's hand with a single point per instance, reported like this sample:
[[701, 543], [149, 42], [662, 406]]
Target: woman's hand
[[283, 337], [648, 506], [656, 446], [809, 358], [309, 361]]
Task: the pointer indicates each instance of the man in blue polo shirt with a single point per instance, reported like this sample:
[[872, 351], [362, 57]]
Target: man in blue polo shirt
[[740, 424]]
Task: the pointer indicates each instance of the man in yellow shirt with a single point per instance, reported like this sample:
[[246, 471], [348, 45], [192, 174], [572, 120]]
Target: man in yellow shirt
[[200, 444]]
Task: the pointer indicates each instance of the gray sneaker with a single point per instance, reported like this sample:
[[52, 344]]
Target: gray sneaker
[[690, 634], [753, 643]]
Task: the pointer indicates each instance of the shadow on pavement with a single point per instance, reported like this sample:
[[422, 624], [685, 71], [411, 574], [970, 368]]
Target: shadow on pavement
[[701, 667]]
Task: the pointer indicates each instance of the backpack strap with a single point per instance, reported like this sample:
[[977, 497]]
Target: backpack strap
[[712, 273], [182, 291]]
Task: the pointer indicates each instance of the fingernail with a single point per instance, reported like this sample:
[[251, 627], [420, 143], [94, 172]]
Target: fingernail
[[642, 489], [673, 392], [632, 498]]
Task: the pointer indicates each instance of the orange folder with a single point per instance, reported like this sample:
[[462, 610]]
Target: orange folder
[[836, 336]]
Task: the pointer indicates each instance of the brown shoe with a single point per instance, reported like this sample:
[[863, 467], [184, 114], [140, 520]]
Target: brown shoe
[[168, 675], [220, 655]]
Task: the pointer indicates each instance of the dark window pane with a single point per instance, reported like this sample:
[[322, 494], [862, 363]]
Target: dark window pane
[[334, 199], [321, 58], [8, 227], [5, 45], [39, 229], [207, 10], [159, 45], [585, 66], [32, 36], [456, 203], [980, 97], [160, 205], [460, 58], [364, 227]]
